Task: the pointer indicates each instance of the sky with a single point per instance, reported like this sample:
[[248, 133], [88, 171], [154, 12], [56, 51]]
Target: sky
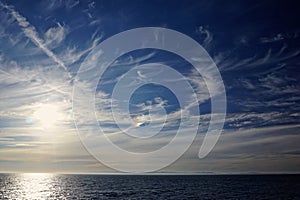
[[44, 44]]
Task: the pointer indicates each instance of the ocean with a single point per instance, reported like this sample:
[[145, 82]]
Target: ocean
[[53, 186]]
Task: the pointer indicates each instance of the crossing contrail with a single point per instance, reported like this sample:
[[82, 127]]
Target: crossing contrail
[[30, 32]]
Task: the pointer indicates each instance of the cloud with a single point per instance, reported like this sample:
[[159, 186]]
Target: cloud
[[55, 35], [32, 34], [207, 37], [255, 150], [232, 63], [279, 37], [72, 3], [73, 54], [52, 5], [276, 38]]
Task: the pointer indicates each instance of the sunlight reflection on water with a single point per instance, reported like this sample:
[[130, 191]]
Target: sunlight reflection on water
[[31, 186], [59, 186]]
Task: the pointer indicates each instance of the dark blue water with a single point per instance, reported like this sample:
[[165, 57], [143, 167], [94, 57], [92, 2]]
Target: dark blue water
[[50, 186]]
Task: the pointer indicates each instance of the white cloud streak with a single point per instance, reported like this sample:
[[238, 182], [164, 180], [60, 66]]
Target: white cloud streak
[[55, 35], [32, 34]]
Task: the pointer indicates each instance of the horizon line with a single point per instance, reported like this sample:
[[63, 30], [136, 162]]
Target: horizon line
[[158, 173]]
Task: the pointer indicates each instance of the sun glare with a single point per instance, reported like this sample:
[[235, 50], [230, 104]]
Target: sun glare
[[48, 115]]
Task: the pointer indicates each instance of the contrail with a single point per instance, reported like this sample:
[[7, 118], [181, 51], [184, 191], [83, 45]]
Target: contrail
[[32, 34]]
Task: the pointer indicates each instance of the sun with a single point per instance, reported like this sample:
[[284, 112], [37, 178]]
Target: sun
[[47, 115]]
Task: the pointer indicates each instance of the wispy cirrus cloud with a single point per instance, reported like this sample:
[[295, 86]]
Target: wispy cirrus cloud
[[230, 62], [55, 35], [279, 37], [263, 149], [207, 37], [32, 34]]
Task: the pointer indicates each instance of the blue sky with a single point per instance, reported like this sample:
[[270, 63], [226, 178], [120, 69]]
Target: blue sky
[[255, 45]]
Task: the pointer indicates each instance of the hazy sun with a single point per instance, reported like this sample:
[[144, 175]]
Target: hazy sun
[[47, 115]]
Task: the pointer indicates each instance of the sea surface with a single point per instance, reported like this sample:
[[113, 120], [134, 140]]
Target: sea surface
[[52, 186]]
